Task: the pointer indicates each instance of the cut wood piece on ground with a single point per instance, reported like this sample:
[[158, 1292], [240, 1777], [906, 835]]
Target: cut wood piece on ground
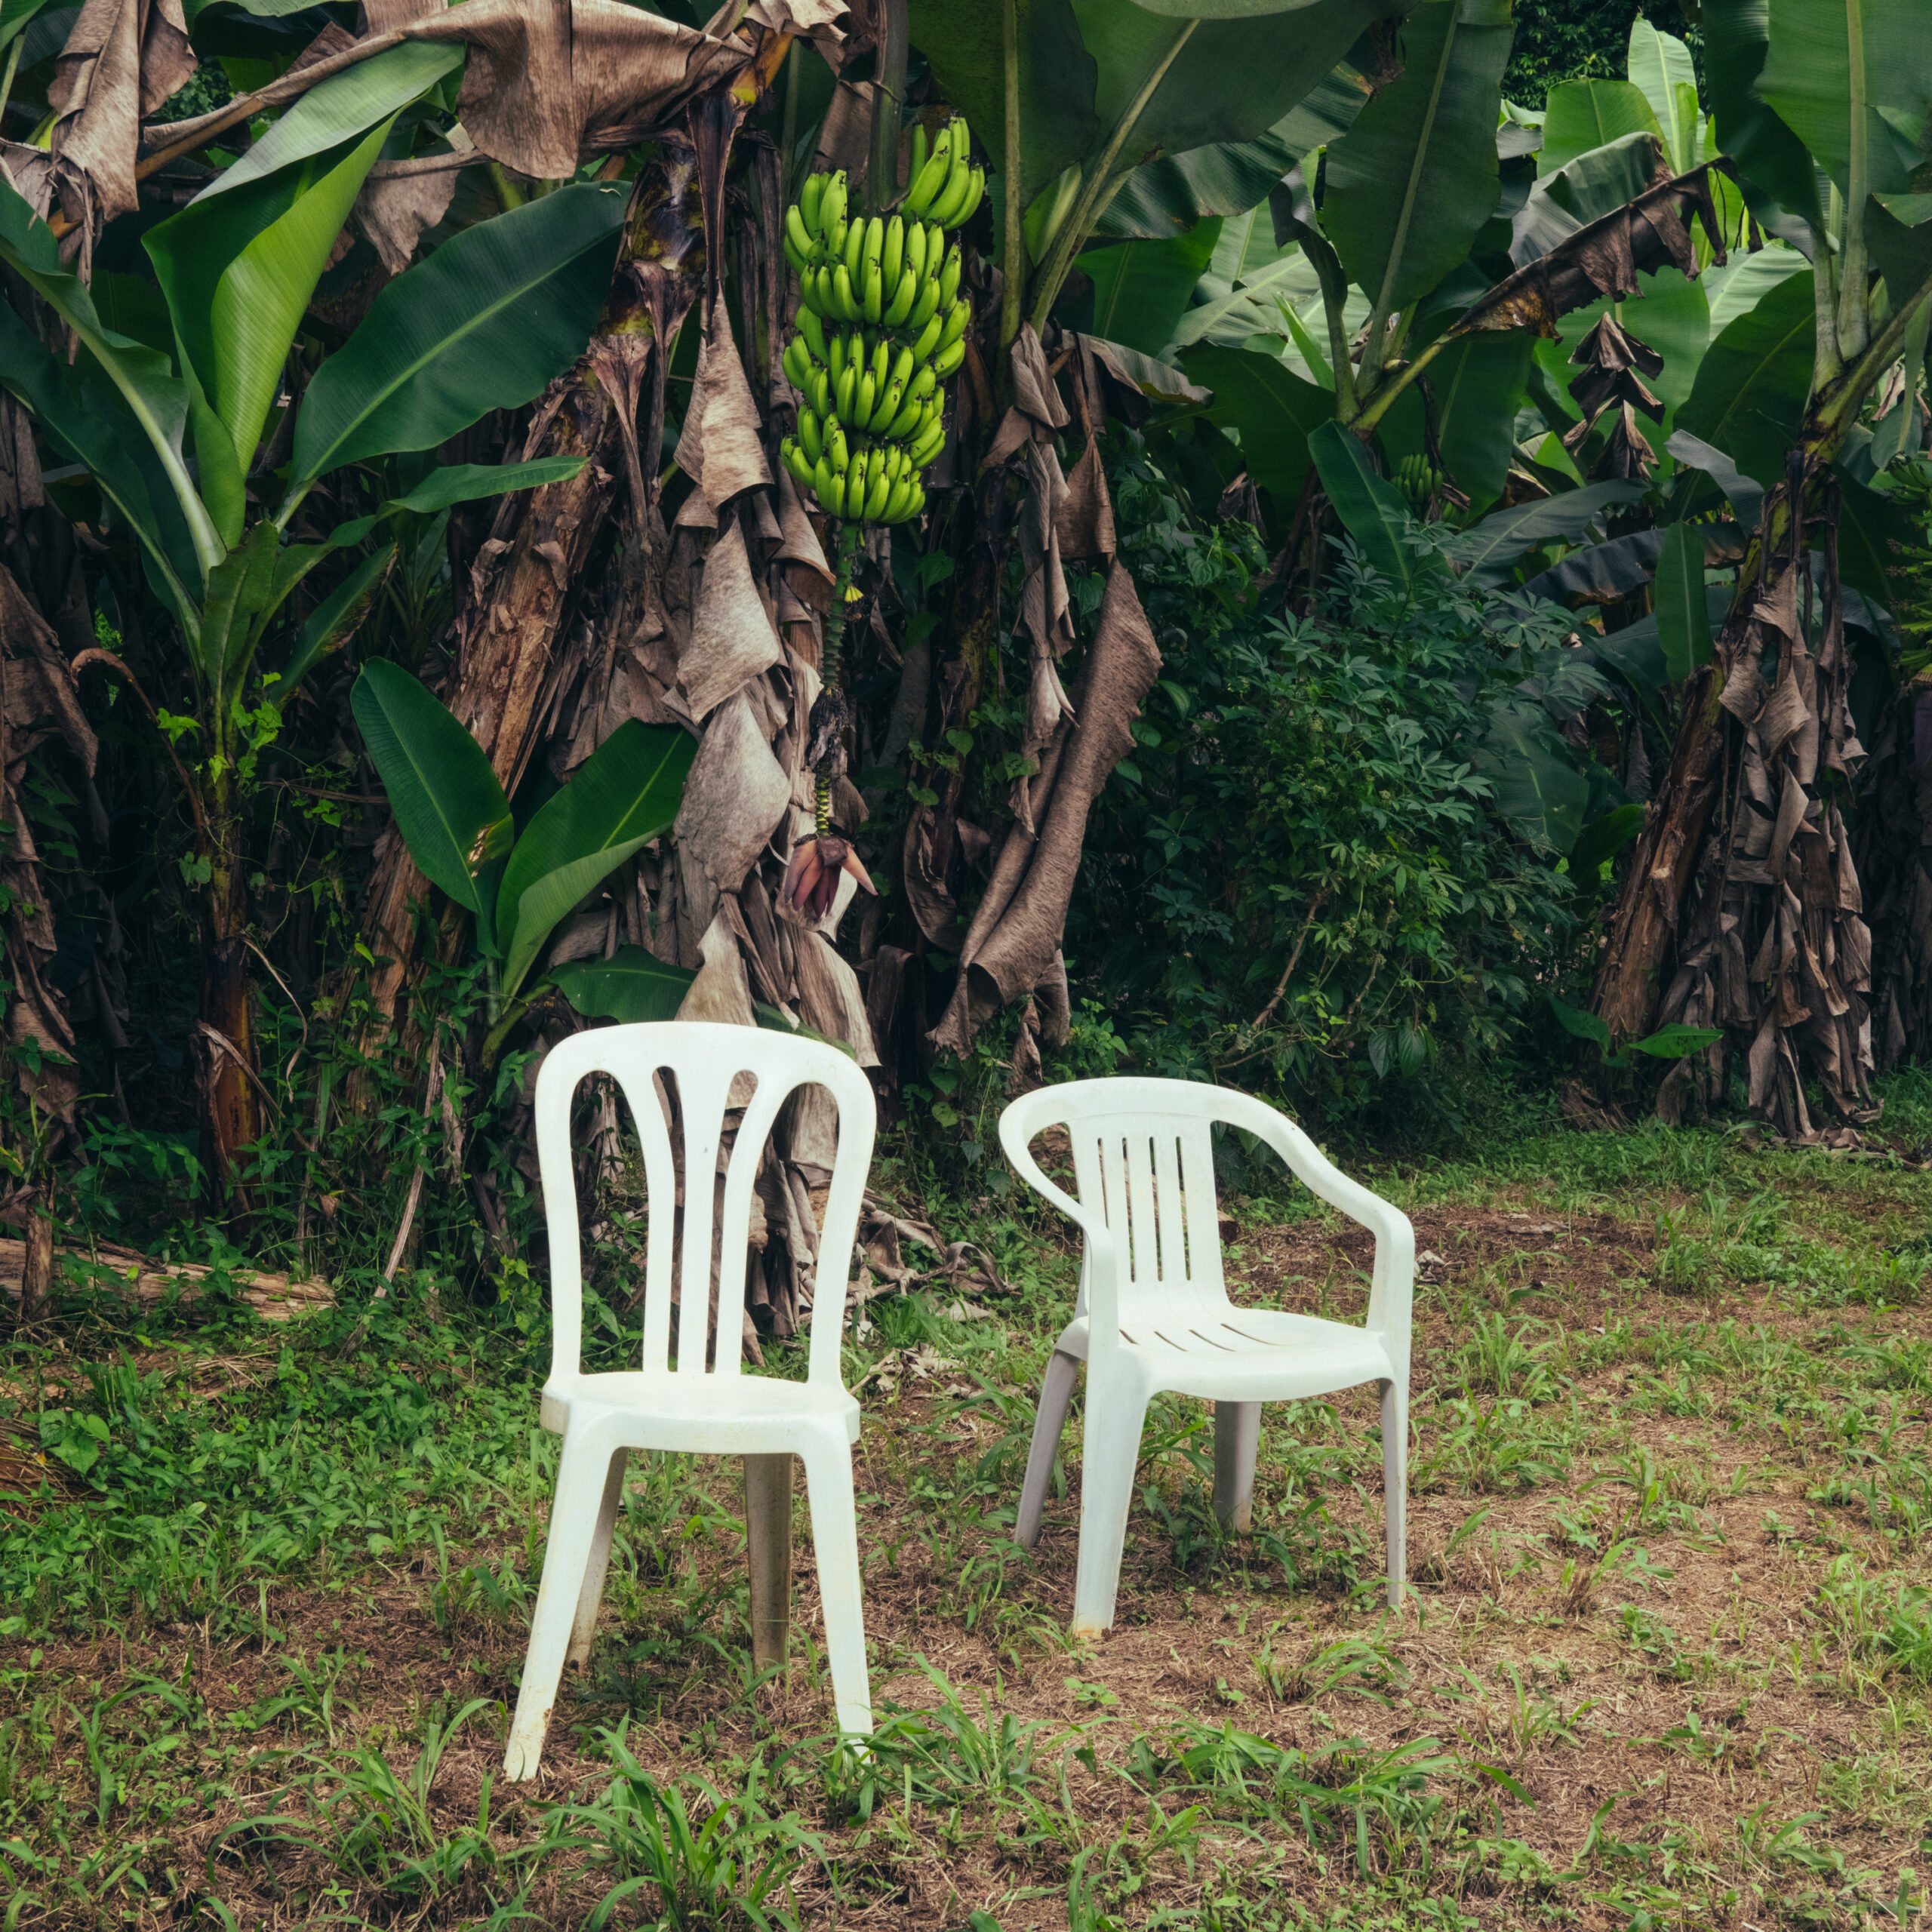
[[148, 1283]]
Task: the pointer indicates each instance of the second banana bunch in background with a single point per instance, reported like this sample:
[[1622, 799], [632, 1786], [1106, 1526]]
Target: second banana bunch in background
[[882, 325]]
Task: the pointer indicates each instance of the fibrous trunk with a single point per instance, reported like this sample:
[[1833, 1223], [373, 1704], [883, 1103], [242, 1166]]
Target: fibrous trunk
[[1742, 910]]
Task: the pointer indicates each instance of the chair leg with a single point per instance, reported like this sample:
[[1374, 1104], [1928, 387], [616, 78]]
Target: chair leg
[[1237, 1439], [1396, 1483], [584, 1630], [1056, 1395], [574, 1509], [840, 1587], [1115, 1410]]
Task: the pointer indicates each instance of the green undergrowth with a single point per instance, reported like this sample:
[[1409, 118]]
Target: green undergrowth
[[1667, 1660]]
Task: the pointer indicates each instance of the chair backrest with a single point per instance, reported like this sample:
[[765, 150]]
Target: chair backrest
[[704, 1060], [1143, 1165], [1143, 1158]]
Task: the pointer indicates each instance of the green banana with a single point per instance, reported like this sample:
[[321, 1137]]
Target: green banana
[[945, 206], [900, 374], [927, 181], [836, 358], [918, 150], [874, 293], [896, 499], [927, 339], [842, 294], [810, 327], [834, 240], [948, 275], [795, 231], [879, 488], [797, 362], [881, 363], [973, 199], [822, 480], [880, 420], [950, 359], [924, 384], [928, 446], [837, 451], [810, 197], [901, 305], [831, 205], [915, 250], [845, 390], [957, 317], [864, 397], [902, 424], [926, 307], [800, 261], [893, 259], [854, 252], [811, 438]]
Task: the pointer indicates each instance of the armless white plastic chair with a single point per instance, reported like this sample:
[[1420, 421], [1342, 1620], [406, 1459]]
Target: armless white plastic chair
[[715, 1410], [1153, 1312]]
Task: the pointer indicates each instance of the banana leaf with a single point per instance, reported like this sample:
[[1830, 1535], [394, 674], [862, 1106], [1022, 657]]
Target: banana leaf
[[1141, 287], [1488, 553], [1584, 114], [626, 793], [1413, 180], [1748, 398], [333, 621], [1852, 74], [1660, 67], [238, 271], [1769, 156], [1372, 510], [154, 397], [483, 323], [1684, 624], [1270, 408], [450, 809]]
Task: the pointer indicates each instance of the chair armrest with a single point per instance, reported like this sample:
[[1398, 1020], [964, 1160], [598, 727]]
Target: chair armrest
[[1391, 1286], [1017, 1125]]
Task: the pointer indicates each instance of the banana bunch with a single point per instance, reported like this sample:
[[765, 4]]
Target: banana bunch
[[882, 325], [1417, 479]]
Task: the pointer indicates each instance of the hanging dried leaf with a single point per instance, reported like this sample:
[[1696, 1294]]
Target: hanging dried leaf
[[393, 209], [734, 796], [722, 447], [546, 83], [1015, 941], [1605, 257], [123, 58], [732, 639]]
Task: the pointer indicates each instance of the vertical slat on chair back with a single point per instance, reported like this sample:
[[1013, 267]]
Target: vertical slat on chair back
[[704, 1061], [1152, 1175]]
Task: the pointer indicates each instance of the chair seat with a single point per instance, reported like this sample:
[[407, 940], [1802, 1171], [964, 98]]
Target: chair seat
[[710, 1415], [1233, 1354]]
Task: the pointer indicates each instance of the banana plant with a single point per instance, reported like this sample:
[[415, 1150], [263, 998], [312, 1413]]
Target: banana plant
[[173, 443], [457, 822]]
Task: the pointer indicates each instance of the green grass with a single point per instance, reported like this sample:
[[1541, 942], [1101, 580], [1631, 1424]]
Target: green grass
[[1667, 1662]]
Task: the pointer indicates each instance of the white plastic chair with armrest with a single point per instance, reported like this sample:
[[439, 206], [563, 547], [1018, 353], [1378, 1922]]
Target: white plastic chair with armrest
[[1154, 1314], [705, 1410]]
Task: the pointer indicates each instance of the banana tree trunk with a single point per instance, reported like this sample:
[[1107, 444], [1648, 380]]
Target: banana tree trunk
[[509, 666], [1742, 909], [231, 1109]]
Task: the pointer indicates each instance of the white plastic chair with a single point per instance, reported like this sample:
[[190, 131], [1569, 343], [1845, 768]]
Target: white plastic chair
[[1153, 1312], [715, 1411]]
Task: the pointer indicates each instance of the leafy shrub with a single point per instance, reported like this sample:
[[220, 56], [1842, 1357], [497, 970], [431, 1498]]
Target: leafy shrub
[[1302, 879]]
